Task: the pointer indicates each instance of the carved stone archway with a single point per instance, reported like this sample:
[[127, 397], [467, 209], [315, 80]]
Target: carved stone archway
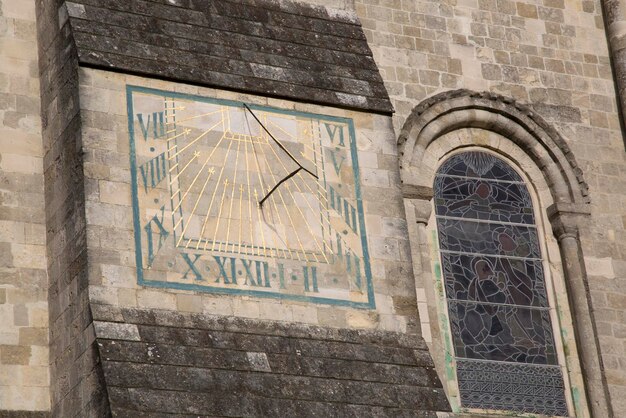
[[420, 154]]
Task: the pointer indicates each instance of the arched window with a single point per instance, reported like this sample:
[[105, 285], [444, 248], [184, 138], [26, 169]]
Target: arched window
[[495, 287], [514, 368]]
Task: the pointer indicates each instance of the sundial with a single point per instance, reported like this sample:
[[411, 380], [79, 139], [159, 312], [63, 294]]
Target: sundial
[[231, 197]]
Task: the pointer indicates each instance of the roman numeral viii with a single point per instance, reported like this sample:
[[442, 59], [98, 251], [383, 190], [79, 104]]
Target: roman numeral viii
[[153, 172]]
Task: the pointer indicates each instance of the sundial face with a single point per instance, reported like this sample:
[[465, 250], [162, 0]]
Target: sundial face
[[232, 197]]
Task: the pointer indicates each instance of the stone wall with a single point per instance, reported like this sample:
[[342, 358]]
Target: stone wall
[[66, 200], [75, 386], [113, 275], [162, 361], [553, 55], [24, 375]]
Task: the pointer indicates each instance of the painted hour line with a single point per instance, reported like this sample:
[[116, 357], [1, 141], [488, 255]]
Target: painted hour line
[[196, 116], [280, 194], [287, 187], [196, 139], [319, 247], [240, 167]]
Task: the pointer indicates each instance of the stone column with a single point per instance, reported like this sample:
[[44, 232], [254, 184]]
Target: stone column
[[418, 206], [565, 220], [422, 210], [615, 24]]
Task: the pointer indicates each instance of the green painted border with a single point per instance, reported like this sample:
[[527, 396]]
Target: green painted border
[[370, 304], [444, 325]]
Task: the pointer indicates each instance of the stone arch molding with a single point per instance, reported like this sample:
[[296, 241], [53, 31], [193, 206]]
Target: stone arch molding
[[457, 109], [419, 154]]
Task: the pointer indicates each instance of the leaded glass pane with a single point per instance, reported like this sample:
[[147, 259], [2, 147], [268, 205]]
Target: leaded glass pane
[[519, 387], [488, 238], [479, 165], [481, 278], [495, 286], [501, 332], [478, 199]]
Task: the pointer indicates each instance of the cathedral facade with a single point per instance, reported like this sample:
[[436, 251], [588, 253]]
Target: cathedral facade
[[312, 208]]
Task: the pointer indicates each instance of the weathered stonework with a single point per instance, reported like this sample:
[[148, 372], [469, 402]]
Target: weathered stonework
[[75, 387], [109, 211], [312, 54], [24, 372], [534, 81], [437, 144], [553, 56], [158, 360]]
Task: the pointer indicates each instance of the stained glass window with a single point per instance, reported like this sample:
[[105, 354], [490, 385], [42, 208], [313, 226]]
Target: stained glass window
[[495, 288]]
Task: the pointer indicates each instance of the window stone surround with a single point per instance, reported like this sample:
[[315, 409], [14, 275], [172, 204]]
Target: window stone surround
[[456, 120]]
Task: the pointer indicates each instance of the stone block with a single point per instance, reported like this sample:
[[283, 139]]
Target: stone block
[[386, 248], [246, 308], [600, 267], [156, 299], [29, 256], [332, 317], [21, 10], [362, 319], [527, 10], [189, 303], [616, 300], [31, 398], [36, 376], [375, 177], [275, 311], [20, 315], [305, 314], [217, 305], [113, 330], [33, 336], [491, 72], [10, 354]]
